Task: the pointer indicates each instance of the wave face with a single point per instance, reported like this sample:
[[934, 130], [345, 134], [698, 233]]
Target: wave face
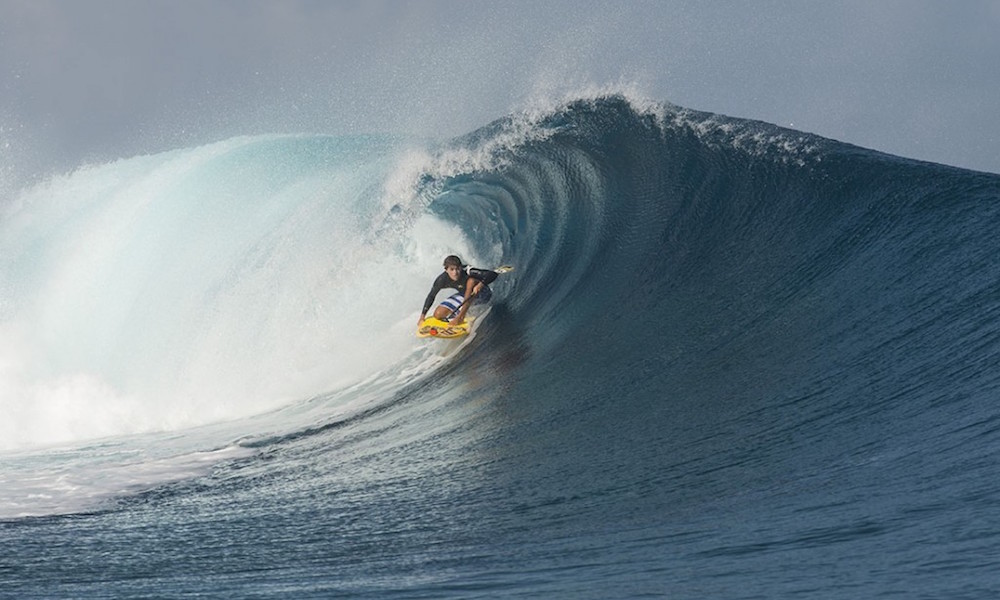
[[734, 360]]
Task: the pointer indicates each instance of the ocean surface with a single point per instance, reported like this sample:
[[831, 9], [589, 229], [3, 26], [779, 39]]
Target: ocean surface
[[734, 361]]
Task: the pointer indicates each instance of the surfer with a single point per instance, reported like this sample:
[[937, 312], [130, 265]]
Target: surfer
[[471, 285]]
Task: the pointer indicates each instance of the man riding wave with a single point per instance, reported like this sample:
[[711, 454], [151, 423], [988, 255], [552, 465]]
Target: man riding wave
[[472, 287]]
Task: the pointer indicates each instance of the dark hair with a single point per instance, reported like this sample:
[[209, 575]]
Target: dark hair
[[453, 261]]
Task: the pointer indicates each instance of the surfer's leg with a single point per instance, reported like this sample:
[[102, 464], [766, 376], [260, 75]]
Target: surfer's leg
[[449, 307], [484, 295]]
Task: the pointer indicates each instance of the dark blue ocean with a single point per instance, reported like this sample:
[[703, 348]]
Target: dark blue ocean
[[734, 361]]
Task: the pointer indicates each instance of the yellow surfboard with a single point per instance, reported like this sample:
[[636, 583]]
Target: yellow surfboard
[[431, 327]]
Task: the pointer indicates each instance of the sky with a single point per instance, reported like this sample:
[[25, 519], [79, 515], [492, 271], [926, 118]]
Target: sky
[[97, 80]]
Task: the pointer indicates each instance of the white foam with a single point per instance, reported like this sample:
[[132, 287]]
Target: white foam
[[203, 285]]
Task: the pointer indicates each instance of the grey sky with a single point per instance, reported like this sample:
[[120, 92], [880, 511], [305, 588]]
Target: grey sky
[[96, 80]]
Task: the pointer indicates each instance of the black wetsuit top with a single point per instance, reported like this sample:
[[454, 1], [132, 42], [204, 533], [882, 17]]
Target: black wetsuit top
[[444, 281]]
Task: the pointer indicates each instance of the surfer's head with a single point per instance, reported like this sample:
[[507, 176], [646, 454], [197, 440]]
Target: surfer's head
[[453, 265]]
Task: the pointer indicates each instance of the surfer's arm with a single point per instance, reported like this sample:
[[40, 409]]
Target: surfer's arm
[[427, 305], [473, 290], [435, 288]]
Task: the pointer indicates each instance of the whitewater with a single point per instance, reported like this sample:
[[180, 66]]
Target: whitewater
[[734, 360]]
